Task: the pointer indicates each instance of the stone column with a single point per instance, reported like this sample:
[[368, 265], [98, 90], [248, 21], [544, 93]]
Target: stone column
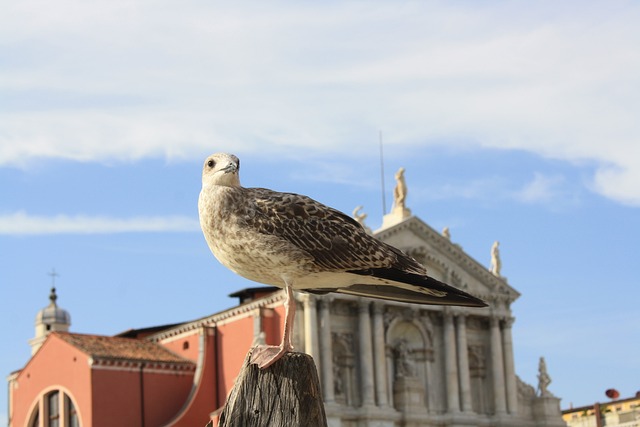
[[326, 350], [463, 362], [497, 367], [509, 367], [450, 363], [366, 354], [379, 355], [430, 387], [311, 326]]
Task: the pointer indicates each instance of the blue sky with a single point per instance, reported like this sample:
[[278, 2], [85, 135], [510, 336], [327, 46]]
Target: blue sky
[[515, 122]]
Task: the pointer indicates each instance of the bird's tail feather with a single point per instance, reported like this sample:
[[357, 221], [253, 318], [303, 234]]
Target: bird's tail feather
[[397, 285]]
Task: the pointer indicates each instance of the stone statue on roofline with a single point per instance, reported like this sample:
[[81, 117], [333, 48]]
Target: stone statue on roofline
[[496, 263], [400, 192], [446, 233], [543, 379], [360, 217], [399, 212]]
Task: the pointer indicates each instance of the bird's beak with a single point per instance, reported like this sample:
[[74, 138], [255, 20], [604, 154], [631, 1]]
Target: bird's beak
[[230, 168]]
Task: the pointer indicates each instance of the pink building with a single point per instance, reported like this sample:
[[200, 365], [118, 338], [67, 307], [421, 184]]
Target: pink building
[[133, 379]]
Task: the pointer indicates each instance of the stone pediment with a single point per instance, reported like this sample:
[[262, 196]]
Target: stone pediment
[[447, 261]]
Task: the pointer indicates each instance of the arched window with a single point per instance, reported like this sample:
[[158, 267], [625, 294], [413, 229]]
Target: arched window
[[58, 410]]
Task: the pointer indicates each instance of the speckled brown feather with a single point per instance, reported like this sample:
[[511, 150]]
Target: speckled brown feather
[[334, 240]]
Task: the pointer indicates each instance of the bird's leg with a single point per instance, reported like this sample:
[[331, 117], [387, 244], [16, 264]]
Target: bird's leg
[[289, 315], [265, 355]]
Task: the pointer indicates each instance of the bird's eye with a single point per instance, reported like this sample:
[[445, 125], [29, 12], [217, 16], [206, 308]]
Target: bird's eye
[[211, 163]]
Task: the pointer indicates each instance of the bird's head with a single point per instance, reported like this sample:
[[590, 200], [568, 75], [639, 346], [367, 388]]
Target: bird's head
[[221, 169]]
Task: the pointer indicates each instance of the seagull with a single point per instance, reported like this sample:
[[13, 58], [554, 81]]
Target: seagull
[[294, 242]]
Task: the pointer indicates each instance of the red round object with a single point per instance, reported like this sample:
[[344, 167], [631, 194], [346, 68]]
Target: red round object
[[612, 393]]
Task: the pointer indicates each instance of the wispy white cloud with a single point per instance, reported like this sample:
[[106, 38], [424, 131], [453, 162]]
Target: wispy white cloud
[[131, 80], [490, 188], [619, 182], [542, 189], [552, 191], [22, 223]]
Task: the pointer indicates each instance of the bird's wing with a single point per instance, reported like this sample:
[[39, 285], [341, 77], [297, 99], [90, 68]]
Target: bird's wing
[[338, 243], [335, 241]]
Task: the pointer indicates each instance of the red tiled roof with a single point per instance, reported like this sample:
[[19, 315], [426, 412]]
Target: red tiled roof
[[104, 347]]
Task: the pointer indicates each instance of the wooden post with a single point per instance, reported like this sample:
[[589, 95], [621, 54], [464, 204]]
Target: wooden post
[[286, 394]]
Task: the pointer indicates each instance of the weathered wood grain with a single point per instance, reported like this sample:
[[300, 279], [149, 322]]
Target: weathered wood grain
[[287, 394]]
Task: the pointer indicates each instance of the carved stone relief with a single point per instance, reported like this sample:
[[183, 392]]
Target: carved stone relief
[[477, 361], [403, 359], [344, 384]]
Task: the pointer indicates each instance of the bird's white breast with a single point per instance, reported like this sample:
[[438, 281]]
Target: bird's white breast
[[256, 256]]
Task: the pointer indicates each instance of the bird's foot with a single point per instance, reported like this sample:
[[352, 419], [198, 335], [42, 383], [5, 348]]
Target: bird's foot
[[266, 355]]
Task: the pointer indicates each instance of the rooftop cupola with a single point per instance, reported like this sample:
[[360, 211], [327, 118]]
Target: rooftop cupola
[[49, 319]]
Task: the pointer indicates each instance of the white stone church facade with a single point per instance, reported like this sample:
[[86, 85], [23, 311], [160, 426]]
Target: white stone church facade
[[386, 364]]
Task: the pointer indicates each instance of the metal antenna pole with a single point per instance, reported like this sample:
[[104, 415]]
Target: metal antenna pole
[[384, 201]]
